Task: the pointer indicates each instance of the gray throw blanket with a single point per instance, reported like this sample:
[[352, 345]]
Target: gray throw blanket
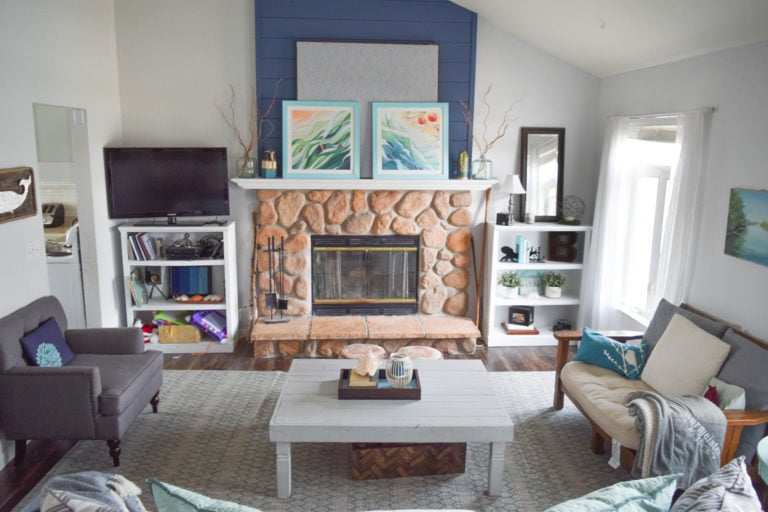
[[678, 434]]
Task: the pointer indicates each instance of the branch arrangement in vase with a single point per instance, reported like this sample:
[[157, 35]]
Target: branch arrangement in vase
[[258, 122], [482, 140]]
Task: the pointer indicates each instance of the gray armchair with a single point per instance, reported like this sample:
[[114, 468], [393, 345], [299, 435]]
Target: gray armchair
[[95, 396]]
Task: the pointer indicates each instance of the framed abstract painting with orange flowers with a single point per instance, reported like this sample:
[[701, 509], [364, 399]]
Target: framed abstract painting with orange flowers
[[410, 140]]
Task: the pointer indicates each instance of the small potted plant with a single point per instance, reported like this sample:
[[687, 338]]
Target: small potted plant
[[553, 284], [510, 284]]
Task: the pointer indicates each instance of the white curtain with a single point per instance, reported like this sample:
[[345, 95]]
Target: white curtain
[[683, 219], [602, 272], [599, 276]]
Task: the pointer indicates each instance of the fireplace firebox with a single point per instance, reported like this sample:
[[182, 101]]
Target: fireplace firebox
[[365, 275]]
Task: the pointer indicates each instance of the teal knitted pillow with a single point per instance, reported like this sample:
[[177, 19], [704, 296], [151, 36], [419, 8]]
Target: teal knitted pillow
[[646, 495], [600, 350], [169, 498]]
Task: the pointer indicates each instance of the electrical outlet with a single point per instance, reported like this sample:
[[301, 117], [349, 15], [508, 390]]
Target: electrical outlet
[[33, 250]]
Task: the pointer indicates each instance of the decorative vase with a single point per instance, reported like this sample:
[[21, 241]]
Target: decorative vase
[[269, 164], [481, 168], [399, 371], [246, 168], [553, 292], [510, 293]]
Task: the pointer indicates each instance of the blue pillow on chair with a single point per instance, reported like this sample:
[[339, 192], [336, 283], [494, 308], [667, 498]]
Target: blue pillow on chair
[[45, 346], [600, 350]]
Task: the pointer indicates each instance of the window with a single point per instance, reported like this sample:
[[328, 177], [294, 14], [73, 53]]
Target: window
[[647, 163], [647, 211]]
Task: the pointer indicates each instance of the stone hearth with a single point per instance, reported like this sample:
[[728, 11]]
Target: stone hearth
[[326, 336]]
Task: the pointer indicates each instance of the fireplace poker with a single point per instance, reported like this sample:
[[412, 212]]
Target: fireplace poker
[[282, 303], [270, 298]]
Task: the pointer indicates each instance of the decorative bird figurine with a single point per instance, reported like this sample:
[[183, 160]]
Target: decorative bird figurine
[[10, 199], [367, 364]]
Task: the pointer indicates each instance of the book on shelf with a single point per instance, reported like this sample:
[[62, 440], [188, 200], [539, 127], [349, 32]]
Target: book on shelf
[[148, 244], [138, 288], [511, 326], [514, 329], [135, 250]]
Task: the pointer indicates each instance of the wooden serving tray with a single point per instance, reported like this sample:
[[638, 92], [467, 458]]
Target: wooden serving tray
[[383, 391]]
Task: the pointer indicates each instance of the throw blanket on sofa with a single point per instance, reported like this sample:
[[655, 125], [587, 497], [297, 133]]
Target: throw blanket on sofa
[[678, 434]]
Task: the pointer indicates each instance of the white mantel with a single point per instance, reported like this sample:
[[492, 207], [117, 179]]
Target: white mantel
[[361, 184]]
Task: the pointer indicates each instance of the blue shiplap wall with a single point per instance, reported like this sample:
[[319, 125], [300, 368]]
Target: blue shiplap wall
[[280, 23]]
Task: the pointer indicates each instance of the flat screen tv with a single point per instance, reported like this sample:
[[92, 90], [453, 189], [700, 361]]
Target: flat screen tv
[[166, 182]]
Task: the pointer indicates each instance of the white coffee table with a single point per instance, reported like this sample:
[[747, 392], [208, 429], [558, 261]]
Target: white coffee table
[[458, 405]]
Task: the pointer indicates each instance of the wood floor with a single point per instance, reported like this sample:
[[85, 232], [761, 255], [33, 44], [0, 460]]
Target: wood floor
[[41, 456]]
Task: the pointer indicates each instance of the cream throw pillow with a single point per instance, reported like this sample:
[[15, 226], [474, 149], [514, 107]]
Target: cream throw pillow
[[685, 359]]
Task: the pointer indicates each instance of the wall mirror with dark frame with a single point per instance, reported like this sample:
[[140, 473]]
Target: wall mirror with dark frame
[[541, 171]]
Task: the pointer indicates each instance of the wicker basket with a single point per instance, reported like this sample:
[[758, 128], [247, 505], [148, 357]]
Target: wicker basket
[[178, 334]]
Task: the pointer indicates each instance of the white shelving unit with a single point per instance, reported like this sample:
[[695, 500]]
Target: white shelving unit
[[546, 311], [223, 282]]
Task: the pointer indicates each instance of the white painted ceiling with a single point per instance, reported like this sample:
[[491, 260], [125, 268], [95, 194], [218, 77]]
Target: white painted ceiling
[[607, 37]]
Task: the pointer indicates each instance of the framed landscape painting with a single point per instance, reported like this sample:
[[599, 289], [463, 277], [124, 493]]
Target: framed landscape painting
[[746, 235], [321, 139], [410, 140]]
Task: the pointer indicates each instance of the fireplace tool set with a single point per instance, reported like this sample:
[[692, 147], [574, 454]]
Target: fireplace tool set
[[273, 301]]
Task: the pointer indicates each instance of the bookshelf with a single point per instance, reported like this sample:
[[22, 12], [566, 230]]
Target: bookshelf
[[219, 270], [546, 310]]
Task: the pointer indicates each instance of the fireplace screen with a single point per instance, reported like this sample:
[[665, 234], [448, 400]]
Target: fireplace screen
[[365, 275]]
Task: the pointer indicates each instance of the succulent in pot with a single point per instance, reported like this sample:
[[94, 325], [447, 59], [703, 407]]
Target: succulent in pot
[[553, 284], [510, 284]]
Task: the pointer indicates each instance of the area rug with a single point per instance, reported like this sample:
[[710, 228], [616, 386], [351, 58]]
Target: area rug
[[211, 436]]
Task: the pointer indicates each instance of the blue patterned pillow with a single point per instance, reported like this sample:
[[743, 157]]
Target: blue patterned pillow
[[45, 346], [600, 350]]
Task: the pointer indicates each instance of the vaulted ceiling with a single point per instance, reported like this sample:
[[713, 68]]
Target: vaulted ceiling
[[607, 37]]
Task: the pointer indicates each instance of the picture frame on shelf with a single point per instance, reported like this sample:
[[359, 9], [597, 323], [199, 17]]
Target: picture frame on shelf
[[520, 315], [321, 139], [410, 140]]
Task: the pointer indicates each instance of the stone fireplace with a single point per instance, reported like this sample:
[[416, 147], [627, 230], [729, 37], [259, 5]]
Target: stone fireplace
[[424, 276], [364, 275], [440, 220]]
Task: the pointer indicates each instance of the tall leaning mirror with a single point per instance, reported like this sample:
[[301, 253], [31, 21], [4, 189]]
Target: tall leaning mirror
[[541, 171]]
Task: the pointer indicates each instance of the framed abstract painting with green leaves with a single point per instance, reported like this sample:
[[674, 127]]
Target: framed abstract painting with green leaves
[[321, 139], [410, 140]]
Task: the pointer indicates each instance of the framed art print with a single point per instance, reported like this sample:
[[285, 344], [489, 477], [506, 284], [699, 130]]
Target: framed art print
[[410, 140], [17, 194], [321, 139]]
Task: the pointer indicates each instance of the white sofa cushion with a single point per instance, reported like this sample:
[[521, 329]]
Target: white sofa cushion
[[600, 393], [685, 359]]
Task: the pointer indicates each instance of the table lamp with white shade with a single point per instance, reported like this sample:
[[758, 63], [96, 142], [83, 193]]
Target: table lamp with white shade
[[511, 186]]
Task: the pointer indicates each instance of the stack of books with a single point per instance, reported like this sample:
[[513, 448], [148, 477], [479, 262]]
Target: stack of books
[[520, 329], [141, 247]]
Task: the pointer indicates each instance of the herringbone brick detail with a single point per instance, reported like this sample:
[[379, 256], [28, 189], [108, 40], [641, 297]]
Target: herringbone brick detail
[[392, 460]]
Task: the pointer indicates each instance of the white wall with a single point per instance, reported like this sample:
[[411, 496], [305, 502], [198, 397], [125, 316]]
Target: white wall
[[734, 81], [176, 60], [59, 53], [554, 94]]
